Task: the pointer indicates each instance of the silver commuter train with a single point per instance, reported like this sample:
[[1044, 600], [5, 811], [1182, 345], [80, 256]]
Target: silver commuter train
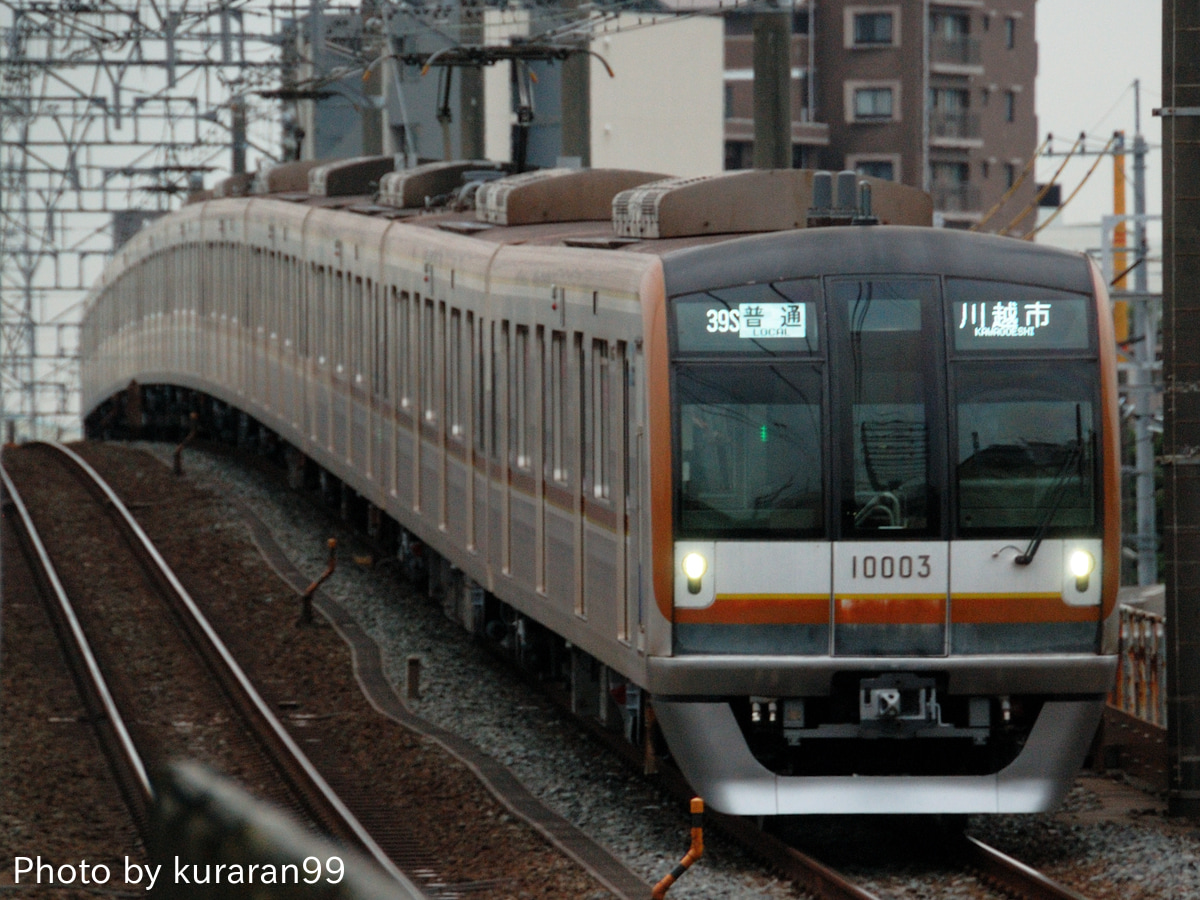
[[840, 504]]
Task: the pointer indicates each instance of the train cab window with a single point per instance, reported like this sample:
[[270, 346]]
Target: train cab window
[[750, 459], [1025, 403], [1026, 446], [888, 399]]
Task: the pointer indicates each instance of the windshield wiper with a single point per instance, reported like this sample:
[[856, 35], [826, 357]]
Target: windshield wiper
[[1058, 491]]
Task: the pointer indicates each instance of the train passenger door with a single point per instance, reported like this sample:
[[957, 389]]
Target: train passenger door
[[891, 564]]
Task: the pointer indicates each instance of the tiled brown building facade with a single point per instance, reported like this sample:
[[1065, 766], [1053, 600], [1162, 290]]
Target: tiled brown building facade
[[938, 94]]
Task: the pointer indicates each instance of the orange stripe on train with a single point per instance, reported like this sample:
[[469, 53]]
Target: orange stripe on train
[[759, 609], [1012, 609], [890, 609]]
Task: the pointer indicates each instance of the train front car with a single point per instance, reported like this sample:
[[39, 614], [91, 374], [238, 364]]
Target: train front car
[[893, 489]]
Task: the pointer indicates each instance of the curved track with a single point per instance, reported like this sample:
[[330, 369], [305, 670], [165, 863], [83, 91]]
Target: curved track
[[305, 784]]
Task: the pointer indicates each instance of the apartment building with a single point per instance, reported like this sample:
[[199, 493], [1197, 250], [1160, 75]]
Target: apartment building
[[937, 94]]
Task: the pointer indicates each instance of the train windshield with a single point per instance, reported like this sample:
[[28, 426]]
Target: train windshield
[[750, 450], [894, 406], [1026, 447], [888, 404]]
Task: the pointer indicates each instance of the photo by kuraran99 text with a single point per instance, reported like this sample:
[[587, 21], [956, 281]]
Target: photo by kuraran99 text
[[783, 482]]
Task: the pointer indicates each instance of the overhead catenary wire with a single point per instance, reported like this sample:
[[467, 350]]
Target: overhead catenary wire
[[1099, 156], [1015, 185], [1045, 188]]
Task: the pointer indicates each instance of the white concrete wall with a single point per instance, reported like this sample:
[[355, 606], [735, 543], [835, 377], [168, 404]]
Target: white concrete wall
[[663, 110], [499, 26]]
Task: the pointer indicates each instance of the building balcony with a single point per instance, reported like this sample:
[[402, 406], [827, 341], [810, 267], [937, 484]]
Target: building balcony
[[955, 56], [955, 198], [814, 134], [954, 129]]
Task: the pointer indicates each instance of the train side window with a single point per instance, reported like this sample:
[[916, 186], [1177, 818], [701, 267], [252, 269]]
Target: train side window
[[427, 349], [383, 330], [300, 285], [403, 327], [558, 407], [600, 420], [320, 315], [520, 403], [479, 373], [454, 373], [454, 370], [496, 382], [337, 349], [358, 334]]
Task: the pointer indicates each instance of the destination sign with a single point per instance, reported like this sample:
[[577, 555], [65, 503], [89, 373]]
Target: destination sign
[[759, 320], [1021, 323], [753, 319]]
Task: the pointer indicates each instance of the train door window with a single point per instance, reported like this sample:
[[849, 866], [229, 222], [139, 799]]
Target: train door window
[[889, 405], [521, 398], [454, 369], [600, 420], [558, 408]]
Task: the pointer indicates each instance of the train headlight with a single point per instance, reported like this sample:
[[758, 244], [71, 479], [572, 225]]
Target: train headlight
[[694, 567], [1080, 564]]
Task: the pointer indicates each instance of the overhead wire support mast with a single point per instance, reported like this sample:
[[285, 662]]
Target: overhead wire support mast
[[110, 114]]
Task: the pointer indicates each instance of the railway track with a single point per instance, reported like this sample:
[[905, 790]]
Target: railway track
[[1006, 876], [803, 870], [153, 608]]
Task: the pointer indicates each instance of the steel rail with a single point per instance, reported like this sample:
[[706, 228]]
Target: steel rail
[[124, 756], [809, 874], [212, 645], [1011, 875]]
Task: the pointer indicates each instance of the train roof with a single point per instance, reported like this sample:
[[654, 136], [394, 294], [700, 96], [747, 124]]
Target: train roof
[[879, 250], [780, 219], [602, 209]]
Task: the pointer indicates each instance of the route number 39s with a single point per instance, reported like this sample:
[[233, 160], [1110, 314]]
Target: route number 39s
[[890, 566], [722, 321]]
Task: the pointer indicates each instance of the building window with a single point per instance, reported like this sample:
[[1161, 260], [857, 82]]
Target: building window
[[728, 100], [884, 169], [1010, 33], [872, 28], [872, 103], [739, 155], [950, 26], [1010, 106], [1010, 175]]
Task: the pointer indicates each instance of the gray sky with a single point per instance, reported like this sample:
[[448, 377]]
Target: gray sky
[[1089, 53]]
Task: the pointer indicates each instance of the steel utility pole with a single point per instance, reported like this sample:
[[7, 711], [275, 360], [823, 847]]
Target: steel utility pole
[[1181, 397], [773, 89]]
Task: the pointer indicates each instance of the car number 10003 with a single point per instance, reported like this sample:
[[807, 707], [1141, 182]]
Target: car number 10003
[[890, 567]]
